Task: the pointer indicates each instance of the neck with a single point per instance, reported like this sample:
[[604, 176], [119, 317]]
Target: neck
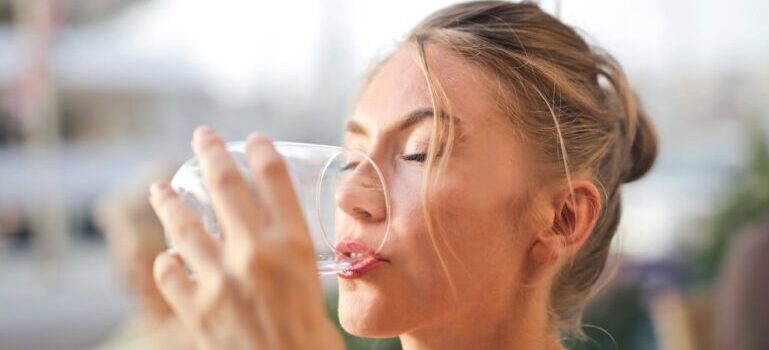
[[515, 323]]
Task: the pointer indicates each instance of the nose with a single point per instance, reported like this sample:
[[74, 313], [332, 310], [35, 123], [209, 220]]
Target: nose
[[361, 194]]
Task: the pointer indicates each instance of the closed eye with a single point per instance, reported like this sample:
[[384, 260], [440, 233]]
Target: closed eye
[[351, 165], [416, 157]]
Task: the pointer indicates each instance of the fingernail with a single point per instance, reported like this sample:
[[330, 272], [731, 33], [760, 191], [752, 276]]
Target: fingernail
[[257, 137], [203, 131], [159, 187]]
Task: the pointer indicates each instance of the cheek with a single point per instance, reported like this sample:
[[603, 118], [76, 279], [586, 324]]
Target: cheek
[[476, 223], [473, 235], [410, 236], [482, 226]]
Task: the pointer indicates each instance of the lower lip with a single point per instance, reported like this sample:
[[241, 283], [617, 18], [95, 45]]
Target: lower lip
[[360, 268]]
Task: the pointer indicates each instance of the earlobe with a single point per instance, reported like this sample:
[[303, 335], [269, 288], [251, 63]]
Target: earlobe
[[547, 244], [543, 252]]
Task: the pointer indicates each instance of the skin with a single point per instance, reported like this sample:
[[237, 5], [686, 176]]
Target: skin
[[136, 259], [509, 229], [135, 238], [491, 200], [259, 288]]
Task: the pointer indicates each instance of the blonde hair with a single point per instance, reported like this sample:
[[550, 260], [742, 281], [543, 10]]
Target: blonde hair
[[551, 89]]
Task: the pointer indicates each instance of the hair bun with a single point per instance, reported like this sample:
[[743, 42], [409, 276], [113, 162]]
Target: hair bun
[[643, 151]]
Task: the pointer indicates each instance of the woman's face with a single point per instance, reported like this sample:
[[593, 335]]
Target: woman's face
[[481, 202]]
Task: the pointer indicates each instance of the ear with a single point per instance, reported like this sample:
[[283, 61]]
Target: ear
[[571, 223]]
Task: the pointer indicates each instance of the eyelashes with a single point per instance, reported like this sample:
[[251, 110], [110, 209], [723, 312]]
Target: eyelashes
[[351, 165], [415, 157]]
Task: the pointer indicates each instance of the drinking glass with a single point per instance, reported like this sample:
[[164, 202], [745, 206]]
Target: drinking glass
[[318, 173]]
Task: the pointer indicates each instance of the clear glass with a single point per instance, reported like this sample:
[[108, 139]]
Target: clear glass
[[318, 173]]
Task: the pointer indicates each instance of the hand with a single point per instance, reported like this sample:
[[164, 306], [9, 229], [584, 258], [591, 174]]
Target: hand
[[258, 288]]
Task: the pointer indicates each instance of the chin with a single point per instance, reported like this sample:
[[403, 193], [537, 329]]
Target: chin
[[365, 315]]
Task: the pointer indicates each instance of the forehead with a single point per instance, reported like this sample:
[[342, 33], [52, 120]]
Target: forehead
[[400, 86]]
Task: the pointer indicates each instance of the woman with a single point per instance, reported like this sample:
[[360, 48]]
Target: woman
[[504, 139]]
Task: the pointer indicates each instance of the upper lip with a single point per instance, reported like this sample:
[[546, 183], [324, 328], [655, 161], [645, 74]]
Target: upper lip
[[352, 250]]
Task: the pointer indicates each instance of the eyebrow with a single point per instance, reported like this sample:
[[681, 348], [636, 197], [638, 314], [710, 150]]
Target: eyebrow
[[412, 118]]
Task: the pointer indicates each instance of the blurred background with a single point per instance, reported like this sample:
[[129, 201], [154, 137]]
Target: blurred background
[[96, 93]]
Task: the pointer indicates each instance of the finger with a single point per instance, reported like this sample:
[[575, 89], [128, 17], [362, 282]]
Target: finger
[[176, 286], [272, 180], [231, 197], [276, 194], [198, 248]]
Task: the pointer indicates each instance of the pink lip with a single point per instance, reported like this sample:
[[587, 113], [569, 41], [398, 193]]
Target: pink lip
[[360, 266]]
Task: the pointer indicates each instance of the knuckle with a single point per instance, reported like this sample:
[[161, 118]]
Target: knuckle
[[300, 246], [225, 178], [186, 228], [200, 319], [213, 297], [257, 263], [218, 290], [305, 250], [270, 165]]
